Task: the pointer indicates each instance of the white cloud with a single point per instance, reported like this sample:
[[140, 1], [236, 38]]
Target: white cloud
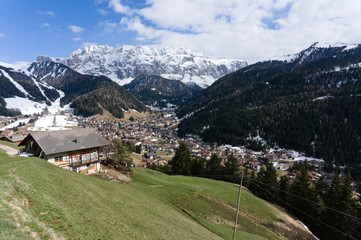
[[2, 35], [249, 29], [76, 29], [108, 27], [48, 13], [118, 7], [77, 39], [45, 25], [102, 12]]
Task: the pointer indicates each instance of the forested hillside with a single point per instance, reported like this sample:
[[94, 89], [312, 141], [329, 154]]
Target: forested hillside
[[159, 91], [309, 103]]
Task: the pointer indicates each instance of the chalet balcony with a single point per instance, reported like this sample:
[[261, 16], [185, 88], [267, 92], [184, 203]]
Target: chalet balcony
[[83, 162], [84, 159]]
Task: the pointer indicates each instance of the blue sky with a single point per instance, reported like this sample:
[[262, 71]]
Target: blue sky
[[33, 28], [251, 30]]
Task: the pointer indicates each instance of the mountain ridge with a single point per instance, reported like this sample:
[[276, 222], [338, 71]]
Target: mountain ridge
[[124, 63]]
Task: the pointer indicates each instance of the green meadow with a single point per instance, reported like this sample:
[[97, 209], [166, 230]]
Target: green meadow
[[41, 201]]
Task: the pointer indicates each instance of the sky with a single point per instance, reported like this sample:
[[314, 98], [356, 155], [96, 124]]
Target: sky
[[251, 30]]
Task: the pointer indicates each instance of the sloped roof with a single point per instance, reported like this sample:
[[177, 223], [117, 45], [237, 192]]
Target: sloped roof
[[14, 138], [68, 140]]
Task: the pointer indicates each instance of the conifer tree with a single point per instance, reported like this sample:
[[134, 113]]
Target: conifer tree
[[199, 166], [214, 165], [268, 176], [181, 162], [302, 188], [122, 154], [359, 208], [283, 188], [252, 186], [321, 187], [339, 197], [231, 169]]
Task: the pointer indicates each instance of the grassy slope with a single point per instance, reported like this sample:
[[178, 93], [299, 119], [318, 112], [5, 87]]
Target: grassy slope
[[40, 199], [10, 144]]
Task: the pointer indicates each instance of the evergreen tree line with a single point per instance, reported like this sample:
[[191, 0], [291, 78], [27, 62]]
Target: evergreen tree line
[[330, 211], [183, 164]]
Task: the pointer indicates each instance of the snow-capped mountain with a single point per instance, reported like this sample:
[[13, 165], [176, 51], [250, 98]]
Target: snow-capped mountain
[[317, 49], [22, 92], [123, 64]]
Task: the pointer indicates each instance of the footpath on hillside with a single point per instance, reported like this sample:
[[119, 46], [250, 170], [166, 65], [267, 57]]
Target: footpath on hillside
[[9, 150]]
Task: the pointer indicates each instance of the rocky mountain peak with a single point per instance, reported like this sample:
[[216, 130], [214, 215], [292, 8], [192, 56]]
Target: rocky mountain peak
[[124, 63]]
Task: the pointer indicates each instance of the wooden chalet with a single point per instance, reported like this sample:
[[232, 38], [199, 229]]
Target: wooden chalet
[[77, 150], [13, 138]]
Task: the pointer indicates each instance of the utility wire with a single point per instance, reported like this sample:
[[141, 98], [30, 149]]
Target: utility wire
[[346, 214], [305, 199], [308, 214]]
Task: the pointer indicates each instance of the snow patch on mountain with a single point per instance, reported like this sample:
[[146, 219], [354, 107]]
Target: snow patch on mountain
[[26, 106], [312, 48], [17, 85], [18, 66], [16, 123], [53, 122], [322, 98]]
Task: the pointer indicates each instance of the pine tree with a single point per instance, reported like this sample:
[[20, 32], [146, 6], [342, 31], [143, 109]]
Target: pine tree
[[252, 186], [283, 188], [321, 188], [199, 166], [214, 165], [231, 169], [181, 162], [302, 188], [122, 154], [339, 197], [268, 176], [359, 207], [349, 204]]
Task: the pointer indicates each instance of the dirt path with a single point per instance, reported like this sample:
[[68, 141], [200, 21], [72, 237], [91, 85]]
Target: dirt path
[[9, 150]]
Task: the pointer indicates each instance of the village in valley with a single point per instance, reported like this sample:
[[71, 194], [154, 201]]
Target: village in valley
[[153, 139]]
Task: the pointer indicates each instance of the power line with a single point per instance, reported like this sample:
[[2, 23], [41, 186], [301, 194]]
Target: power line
[[335, 210], [305, 199], [308, 214]]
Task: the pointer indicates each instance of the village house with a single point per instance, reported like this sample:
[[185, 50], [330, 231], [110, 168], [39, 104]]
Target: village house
[[77, 150], [17, 138], [150, 156]]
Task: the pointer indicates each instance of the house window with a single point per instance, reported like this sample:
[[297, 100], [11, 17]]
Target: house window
[[94, 155], [59, 158], [85, 157]]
